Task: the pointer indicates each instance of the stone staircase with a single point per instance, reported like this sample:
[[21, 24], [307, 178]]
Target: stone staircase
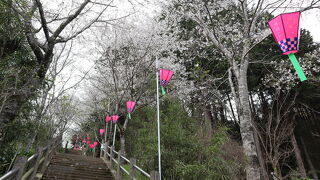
[[73, 166]]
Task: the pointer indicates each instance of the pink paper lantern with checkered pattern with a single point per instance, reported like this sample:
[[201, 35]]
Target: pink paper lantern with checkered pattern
[[101, 132], [115, 118], [108, 119], [130, 106], [286, 31], [91, 146], [165, 77]]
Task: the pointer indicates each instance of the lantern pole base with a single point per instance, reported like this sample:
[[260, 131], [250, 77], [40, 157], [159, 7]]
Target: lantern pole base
[[297, 67]]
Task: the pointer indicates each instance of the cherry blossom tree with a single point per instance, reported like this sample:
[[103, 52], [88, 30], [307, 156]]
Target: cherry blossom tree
[[235, 28]]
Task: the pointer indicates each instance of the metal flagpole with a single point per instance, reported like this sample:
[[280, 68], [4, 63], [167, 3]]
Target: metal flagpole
[[158, 118], [114, 134], [107, 123]]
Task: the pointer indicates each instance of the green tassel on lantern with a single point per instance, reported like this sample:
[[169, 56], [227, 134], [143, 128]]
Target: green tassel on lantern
[[129, 116], [297, 67], [163, 91]]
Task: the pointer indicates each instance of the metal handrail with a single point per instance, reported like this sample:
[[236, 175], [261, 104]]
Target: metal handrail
[[127, 160], [114, 160], [124, 170], [142, 171], [115, 152], [31, 158], [9, 174]]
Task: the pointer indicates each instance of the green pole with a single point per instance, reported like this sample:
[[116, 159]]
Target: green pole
[[297, 67]]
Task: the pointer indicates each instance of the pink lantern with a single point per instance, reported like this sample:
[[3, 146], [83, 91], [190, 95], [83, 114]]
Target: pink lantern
[[91, 146], [286, 31], [84, 141], [165, 77], [115, 118], [130, 107], [101, 132], [108, 119], [95, 144], [88, 142]]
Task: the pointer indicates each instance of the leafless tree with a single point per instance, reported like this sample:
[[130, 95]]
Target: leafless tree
[[275, 132]]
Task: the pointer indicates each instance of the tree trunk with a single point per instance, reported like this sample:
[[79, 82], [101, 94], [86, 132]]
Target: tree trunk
[[264, 173], [31, 141], [122, 146], [246, 129], [10, 112], [299, 159], [312, 169], [207, 126]]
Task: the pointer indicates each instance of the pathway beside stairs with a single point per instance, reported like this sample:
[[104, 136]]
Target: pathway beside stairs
[[73, 166]]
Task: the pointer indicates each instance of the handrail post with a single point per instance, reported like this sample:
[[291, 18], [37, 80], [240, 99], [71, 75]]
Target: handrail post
[[36, 166], [101, 151], [133, 162], [111, 156], [119, 174], [154, 175], [52, 150], [44, 164], [106, 150], [59, 140], [66, 146], [20, 164]]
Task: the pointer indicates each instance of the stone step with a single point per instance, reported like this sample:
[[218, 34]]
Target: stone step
[[77, 170], [73, 166]]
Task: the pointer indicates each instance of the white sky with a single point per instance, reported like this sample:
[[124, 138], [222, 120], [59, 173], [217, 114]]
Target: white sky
[[310, 20]]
